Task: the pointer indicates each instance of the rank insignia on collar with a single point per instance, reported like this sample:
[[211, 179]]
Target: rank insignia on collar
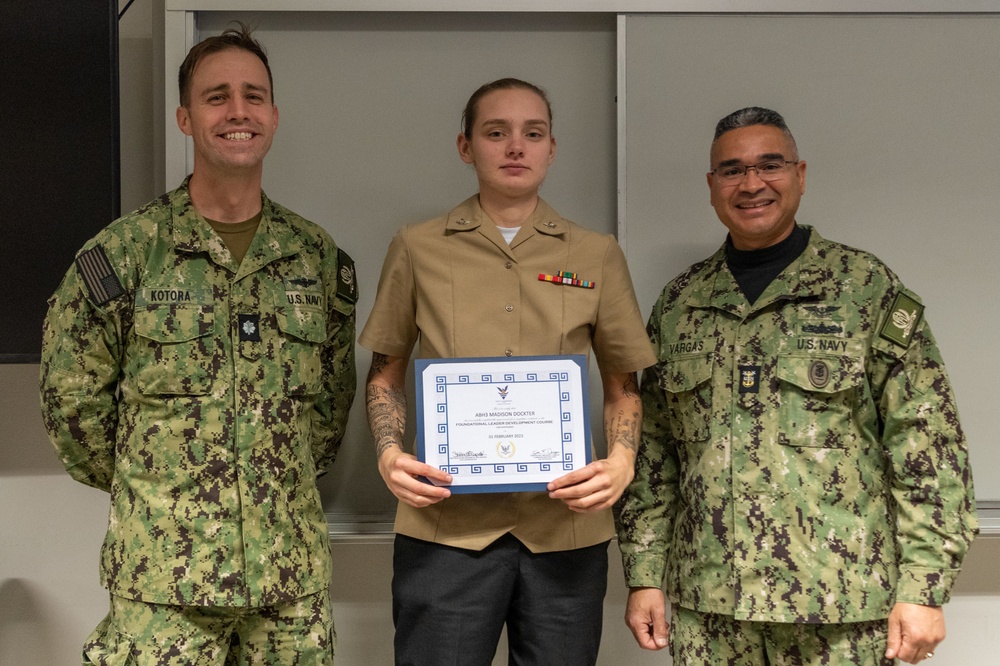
[[903, 320], [749, 379], [249, 327], [567, 278]]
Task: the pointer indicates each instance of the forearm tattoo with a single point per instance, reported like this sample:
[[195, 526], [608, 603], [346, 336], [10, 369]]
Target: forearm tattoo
[[631, 386], [623, 429], [386, 417], [624, 426], [379, 361]]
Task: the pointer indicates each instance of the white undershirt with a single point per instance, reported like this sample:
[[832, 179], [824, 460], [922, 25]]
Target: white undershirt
[[508, 233]]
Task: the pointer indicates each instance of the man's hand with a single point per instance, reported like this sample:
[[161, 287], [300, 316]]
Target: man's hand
[[645, 615], [914, 632]]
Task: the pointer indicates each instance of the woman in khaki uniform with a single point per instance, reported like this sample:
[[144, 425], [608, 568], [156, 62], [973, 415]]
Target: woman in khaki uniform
[[468, 284]]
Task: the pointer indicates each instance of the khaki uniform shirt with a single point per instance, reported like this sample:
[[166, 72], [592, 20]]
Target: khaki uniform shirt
[[801, 458], [458, 287], [205, 397]]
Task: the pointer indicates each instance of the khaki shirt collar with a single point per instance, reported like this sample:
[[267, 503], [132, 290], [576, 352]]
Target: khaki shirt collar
[[469, 216]]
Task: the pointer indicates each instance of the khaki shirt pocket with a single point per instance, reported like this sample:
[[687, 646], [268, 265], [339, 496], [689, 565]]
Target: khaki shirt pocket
[[176, 347], [818, 395], [685, 381]]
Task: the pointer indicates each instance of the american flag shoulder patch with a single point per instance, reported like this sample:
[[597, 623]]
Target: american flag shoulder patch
[[97, 274]]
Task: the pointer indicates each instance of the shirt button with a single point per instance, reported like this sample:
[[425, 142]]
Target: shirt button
[[508, 353], [508, 265], [509, 307]]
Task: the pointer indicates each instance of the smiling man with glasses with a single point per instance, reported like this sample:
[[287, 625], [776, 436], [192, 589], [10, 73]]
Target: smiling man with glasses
[[802, 491]]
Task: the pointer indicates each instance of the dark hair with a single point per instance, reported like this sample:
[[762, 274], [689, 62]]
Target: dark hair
[[232, 38], [750, 116], [469, 114]]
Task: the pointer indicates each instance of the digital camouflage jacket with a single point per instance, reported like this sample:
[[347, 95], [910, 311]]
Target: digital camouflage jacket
[[206, 397], [801, 458]]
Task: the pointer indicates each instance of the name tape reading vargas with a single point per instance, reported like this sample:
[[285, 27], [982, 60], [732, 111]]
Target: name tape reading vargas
[[567, 278]]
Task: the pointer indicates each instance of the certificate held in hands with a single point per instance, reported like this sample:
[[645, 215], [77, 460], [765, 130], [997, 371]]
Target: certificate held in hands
[[503, 424]]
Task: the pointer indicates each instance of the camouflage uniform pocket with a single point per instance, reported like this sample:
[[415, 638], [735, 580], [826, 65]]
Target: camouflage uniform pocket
[[817, 396], [685, 381], [303, 334], [175, 349], [106, 646]]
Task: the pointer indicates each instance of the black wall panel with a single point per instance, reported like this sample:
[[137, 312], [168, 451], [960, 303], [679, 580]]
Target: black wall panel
[[59, 170]]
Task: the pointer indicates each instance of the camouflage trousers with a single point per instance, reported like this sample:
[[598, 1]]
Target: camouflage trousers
[[704, 639], [136, 633]]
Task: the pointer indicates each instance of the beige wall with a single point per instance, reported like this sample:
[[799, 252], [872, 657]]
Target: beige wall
[[51, 528]]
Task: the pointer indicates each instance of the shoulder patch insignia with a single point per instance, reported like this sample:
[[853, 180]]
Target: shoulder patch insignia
[[98, 275], [347, 284], [903, 320]]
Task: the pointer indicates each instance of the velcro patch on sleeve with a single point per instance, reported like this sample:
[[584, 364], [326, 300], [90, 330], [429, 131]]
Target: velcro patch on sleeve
[[98, 275], [903, 320], [347, 283]]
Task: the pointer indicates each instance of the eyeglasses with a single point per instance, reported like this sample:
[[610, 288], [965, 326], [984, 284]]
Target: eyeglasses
[[767, 171]]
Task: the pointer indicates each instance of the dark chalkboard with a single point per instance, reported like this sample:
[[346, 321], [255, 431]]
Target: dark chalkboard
[[59, 171]]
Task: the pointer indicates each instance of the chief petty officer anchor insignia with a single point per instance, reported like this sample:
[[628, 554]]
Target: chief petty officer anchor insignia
[[749, 379], [819, 376]]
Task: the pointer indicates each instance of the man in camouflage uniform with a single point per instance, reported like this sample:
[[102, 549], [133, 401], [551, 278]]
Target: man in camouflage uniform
[[198, 364], [802, 491]]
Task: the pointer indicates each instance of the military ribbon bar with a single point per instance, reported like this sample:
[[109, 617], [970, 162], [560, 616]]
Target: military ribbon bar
[[567, 278]]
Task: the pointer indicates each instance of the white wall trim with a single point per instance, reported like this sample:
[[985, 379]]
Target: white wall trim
[[613, 6], [346, 528], [622, 130]]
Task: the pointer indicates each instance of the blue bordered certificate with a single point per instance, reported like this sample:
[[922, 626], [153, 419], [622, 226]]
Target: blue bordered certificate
[[503, 424]]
